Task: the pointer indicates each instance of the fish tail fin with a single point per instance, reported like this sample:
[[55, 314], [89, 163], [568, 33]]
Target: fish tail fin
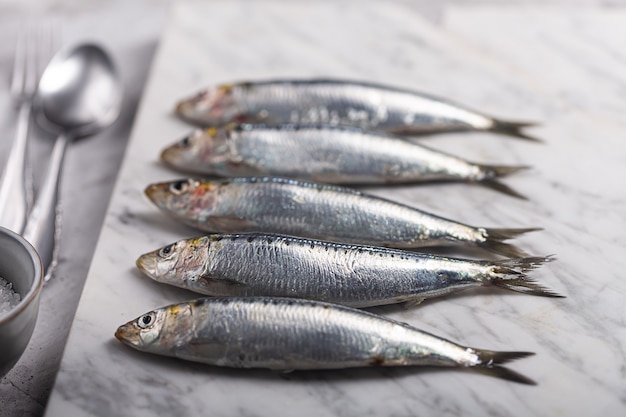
[[513, 129], [506, 233], [491, 173], [490, 363], [503, 188], [495, 237], [510, 274]]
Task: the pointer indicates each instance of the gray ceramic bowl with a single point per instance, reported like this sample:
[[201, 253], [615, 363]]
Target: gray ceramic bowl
[[20, 265]]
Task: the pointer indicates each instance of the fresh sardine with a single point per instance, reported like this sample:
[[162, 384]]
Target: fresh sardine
[[334, 155], [359, 276], [337, 103], [318, 211], [290, 334]]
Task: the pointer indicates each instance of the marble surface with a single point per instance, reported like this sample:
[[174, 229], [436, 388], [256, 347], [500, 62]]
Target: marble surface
[[581, 82], [563, 67], [573, 193]]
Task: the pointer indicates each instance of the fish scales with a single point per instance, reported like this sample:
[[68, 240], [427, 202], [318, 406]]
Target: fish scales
[[331, 103], [351, 275], [355, 275], [322, 153], [335, 213], [319, 211], [289, 334], [365, 105]]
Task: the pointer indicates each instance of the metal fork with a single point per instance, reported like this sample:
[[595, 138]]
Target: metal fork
[[34, 49]]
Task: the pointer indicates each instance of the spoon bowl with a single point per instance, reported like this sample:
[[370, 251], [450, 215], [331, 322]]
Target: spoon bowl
[[78, 95], [79, 92]]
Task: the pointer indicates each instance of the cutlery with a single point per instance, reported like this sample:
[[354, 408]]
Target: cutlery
[[78, 95], [33, 50]]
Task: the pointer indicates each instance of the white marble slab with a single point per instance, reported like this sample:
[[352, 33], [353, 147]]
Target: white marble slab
[[573, 193], [574, 57]]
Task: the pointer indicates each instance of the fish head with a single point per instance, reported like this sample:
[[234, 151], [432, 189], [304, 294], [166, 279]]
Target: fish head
[[178, 263], [159, 331], [202, 151], [210, 107], [189, 200], [189, 153]]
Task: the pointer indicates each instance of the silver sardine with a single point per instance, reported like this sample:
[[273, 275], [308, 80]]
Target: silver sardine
[[334, 155], [338, 103], [354, 275], [318, 211], [290, 334]]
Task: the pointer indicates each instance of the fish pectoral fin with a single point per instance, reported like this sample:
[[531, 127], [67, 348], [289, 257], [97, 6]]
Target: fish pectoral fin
[[235, 160], [295, 361], [231, 282], [413, 303]]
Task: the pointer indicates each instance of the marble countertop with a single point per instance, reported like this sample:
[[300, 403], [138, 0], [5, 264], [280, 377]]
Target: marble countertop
[[563, 67]]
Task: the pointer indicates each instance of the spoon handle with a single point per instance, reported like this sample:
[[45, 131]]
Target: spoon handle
[[41, 227], [14, 190]]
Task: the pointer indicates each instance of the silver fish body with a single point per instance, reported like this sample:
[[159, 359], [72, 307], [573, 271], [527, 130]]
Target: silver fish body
[[354, 275], [289, 334], [338, 103], [318, 211], [334, 155]]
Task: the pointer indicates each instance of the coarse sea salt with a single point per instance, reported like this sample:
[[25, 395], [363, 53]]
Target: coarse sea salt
[[8, 297]]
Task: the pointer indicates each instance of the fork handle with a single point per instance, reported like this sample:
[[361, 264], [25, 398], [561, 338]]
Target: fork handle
[[14, 195], [41, 228]]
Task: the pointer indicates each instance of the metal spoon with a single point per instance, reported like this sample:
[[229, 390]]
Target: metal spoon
[[79, 94]]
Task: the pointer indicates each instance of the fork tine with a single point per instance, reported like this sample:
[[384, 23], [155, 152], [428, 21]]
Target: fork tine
[[49, 44], [56, 38], [32, 50], [45, 47], [19, 65], [41, 50]]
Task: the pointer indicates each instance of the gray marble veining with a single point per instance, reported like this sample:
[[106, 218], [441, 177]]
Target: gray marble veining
[[586, 79], [573, 193]]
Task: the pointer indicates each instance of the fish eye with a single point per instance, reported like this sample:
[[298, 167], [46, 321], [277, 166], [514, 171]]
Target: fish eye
[[146, 320], [201, 94], [165, 251], [185, 142], [179, 187]]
